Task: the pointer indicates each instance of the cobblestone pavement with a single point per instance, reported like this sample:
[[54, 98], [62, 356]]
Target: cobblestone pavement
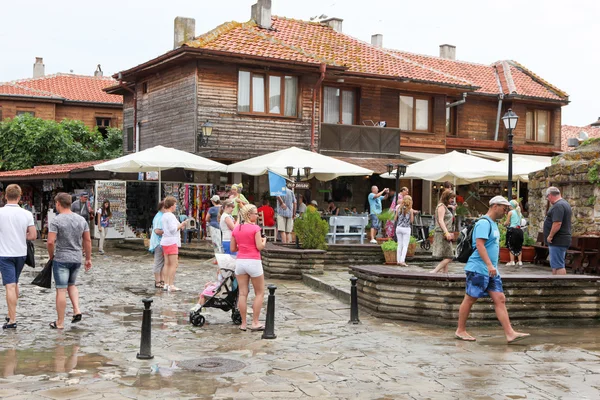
[[316, 354]]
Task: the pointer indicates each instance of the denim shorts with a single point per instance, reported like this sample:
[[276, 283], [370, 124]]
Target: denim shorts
[[11, 268], [557, 256], [65, 274], [478, 285], [374, 221]]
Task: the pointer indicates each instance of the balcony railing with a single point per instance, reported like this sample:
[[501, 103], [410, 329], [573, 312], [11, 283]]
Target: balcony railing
[[366, 140]]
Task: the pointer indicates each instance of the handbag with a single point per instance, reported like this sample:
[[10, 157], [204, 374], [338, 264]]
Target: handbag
[[30, 258], [44, 278]]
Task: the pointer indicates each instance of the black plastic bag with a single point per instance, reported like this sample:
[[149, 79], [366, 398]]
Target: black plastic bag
[[44, 278], [30, 259]]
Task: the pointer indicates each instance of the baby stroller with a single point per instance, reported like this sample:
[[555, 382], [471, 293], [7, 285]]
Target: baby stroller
[[224, 295], [420, 232]]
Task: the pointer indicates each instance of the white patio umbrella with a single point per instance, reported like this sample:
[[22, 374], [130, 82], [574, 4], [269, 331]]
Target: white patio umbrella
[[160, 158], [522, 167], [324, 168], [455, 167]]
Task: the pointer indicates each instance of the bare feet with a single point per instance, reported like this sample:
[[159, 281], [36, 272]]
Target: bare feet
[[464, 336], [516, 337]]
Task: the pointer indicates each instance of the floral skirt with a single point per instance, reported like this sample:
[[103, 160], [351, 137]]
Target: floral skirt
[[442, 248]]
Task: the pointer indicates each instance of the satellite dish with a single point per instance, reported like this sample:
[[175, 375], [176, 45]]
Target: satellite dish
[[583, 135]]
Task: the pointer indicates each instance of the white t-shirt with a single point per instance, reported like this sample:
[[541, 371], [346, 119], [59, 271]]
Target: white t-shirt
[[171, 233], [224, 228], [13, 230]]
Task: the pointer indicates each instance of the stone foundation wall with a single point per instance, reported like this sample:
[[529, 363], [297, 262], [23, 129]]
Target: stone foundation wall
[[570, 172]]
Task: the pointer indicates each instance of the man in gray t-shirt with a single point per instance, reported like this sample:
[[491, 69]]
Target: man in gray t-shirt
[[68, 238]]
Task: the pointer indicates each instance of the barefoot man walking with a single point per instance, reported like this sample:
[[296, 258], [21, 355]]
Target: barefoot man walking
[[483, 278]]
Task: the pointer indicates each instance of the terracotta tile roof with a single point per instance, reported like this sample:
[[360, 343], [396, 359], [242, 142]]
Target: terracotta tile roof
[[64, 86], [43, 170], [378, 165], [315, 43], [570, 131]]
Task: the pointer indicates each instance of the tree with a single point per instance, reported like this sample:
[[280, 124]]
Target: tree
[[26, 141]]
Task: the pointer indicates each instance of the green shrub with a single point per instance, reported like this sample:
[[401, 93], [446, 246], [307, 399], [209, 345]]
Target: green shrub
[[527, 240], [413, 240], [311, 230], [386, 216], [389, 245]]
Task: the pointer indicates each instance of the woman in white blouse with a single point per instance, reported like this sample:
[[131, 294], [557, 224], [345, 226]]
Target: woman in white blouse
[[171, 242]]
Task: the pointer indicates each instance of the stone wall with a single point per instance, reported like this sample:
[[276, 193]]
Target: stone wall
[[570, 172]]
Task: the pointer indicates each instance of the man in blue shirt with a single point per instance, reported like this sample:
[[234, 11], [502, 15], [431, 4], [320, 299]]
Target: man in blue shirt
[[375, 207], [483, 278]]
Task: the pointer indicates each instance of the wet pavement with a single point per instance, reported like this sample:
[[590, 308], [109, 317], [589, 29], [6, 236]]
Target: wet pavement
[[316, 353]]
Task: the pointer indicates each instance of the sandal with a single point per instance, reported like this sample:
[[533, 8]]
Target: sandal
[[76, 318], [53, 325], [159, 285]]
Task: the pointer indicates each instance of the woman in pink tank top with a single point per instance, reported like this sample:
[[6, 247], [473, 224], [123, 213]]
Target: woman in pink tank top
[[247, 240]]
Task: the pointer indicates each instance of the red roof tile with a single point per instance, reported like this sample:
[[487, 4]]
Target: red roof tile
[[43, 170], [569, 131], [64, 86]]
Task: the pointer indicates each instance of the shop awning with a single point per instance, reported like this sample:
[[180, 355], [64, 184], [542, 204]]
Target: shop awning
[[378, 165], [324, 168], [40, 172], [495, 156], [417, 155]]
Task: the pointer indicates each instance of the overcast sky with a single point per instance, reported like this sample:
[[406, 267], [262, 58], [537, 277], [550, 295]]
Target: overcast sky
[[556, 39]]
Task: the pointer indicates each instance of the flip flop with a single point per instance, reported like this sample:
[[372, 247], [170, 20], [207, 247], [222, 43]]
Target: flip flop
[[465, 338], [519, 338], [76, 318], [242, 329], [258, 328], [53, 325]]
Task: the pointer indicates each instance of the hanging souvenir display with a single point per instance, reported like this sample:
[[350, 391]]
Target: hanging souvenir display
[[115, 192]]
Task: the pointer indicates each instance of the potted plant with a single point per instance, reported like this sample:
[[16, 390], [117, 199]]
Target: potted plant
[[389, 248], [528, 251], [311, 230], [412, 247], [504, 252], [430, 237], [383, 218]]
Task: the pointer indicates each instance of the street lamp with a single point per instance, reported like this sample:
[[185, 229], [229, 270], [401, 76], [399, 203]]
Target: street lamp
[[400, 171], [205, 133], [510, 120]]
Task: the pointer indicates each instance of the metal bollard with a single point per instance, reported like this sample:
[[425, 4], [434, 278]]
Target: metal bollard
[[269, 332], [146, 342], [354, 302]]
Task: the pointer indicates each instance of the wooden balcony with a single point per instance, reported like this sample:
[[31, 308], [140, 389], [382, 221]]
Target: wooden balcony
[[367, 141]]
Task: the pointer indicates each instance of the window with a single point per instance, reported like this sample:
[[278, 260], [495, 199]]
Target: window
[[338, 106], [450, 120], [102, 123], [414, 114], [145, 87], [537, 125], [272, 94], [32, 113], [130, 138]]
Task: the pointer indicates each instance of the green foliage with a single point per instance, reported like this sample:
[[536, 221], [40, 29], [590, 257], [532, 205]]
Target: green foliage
[[462, 210], [527, 240], [431, 233], [591, 201], [311, 230], [413, 240], [589, 141], [389, 245], [502, 230], [26, 141], [555, 160], [593, 175], [386, 216]]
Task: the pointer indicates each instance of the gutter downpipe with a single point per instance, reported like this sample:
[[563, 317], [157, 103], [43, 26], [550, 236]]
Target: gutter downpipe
[[500, 97], [136, 138], [459, 102], [322, 69]]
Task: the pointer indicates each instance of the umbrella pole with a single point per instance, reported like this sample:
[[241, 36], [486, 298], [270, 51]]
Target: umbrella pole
[[159, 185], [518, 189]]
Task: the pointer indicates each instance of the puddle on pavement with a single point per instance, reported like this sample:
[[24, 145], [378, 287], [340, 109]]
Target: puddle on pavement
[[61, 359], [132, 316], [199, 384]]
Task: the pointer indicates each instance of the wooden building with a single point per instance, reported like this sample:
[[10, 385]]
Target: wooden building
[[61, 96]]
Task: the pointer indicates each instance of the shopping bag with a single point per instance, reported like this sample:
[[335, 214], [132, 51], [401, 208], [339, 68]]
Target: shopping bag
[[44, 278], [30, 259]]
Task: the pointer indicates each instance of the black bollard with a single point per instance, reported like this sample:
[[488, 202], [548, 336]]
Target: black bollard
[[269, 332], [146, 342], [353, 302]]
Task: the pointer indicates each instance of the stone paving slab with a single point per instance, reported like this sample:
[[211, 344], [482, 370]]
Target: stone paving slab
[[317, 354]]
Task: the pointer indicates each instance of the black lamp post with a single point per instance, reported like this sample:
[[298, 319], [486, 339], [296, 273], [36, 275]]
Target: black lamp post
[[205, 133], [400, 171], [510, 120], [290, 173]]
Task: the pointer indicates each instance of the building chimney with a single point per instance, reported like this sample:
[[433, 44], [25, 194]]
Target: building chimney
[[98, 71], [448, 51], [184, 30], [38, 68], [377, 40], [333, 23], [261, 13]]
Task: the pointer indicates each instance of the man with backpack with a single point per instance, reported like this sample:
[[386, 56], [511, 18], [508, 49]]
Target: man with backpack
[[483, 278]]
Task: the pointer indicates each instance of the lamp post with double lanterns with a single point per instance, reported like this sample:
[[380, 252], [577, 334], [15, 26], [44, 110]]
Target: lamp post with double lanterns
[[205, 132], [400, 171], [290, 174], [510, 120]]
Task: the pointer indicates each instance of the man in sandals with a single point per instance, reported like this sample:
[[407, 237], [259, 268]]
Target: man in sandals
[[66, 233], [16, 226], [483, 278]]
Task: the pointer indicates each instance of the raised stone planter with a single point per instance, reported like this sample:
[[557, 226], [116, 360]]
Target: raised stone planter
[[435, 299], [283, 262]]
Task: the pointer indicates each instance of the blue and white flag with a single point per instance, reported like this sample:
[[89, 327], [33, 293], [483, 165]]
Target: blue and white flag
[[276, 184]]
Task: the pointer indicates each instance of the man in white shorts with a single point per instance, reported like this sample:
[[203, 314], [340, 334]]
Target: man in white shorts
[[286, 209]]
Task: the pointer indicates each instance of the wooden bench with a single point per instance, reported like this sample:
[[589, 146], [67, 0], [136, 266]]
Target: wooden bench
[[541, 250], [582, 255], [350, 227]]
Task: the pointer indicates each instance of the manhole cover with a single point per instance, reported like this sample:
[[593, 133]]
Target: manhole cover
[[218, 365]]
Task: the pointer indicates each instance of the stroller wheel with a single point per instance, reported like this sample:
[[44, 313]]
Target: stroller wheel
[[197, 319], [425, 245], [236, 317]]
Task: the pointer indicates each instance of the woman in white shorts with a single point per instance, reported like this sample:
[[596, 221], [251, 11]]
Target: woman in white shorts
[[246, 239]]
